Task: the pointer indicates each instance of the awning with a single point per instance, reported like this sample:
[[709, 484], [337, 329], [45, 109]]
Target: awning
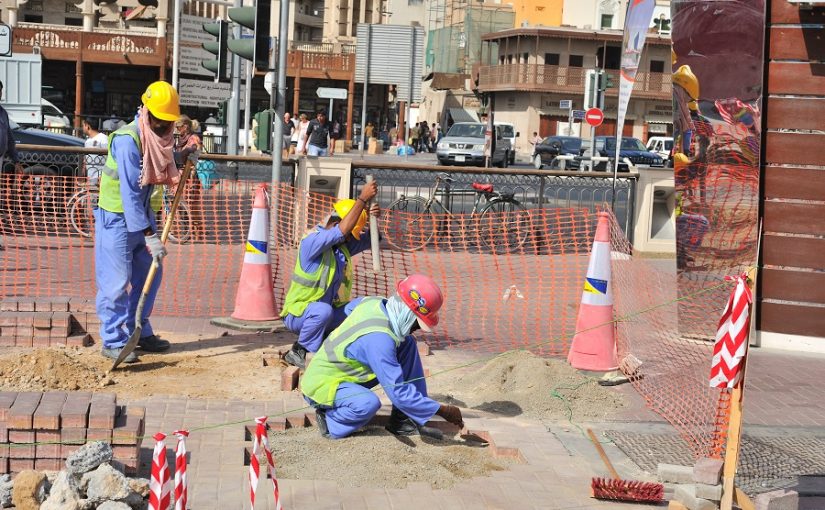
[[462, 115], [659, 120]]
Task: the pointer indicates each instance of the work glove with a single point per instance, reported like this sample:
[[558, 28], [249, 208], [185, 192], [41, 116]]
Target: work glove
[[452, 414], [155, 247]]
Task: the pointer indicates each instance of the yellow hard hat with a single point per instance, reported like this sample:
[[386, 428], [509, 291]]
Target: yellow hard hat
[[693, 105], [162, 100], [343, 207], [685, 78], [680, 160]]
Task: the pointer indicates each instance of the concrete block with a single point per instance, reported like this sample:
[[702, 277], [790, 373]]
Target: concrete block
[[711, 492], [811, 485], [686, 494], [8, 305], [21, 413], [674, 474], [777, 500], [708, 471], [289, 379]]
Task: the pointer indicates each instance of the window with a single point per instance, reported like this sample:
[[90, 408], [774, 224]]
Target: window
[[33, 18], [607, 21], [551, 59], [70, 7], [35, 6], [74, 22], [524, 57], [576, 61], [657, 66]]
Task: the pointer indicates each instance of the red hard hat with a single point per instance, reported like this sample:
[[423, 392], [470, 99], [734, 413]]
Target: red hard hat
[[424, 298]]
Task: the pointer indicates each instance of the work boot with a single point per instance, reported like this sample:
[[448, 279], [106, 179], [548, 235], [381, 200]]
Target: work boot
[[402, 425], [321, 417], [297, 356], [114, 353], [153, 344]]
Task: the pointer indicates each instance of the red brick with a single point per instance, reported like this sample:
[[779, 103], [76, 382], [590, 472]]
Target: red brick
[[62, 322], [4, 452], [510, 453], [311, 419], [8, 305], [138, 411], [60, 304], [18, 465], [426, 372], [277, 424], [4, 465], [7, 334], [42, 319], [4, 433], [76, 410], [102, 411], [79, 340], [23, 336], [25, 304], [42, 305], [21, 451], [21, 436], [124, 452], [25, 319], [6, 400], [48, 464], [47, 451], [423, 349], [127, 429], [47, 436], [47, 415], [41, 338], [127, 467], [93, 434], [68, 449], [73, 435], [296, 421], [289, 378], [8, 319], [21, 414]]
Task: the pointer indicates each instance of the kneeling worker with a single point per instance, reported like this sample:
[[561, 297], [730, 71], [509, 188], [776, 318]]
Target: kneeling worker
[[322, 280], [375, 345]]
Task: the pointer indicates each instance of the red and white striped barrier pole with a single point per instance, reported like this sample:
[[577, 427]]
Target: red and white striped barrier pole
[[261, 441], [181, 487], [159, 484]]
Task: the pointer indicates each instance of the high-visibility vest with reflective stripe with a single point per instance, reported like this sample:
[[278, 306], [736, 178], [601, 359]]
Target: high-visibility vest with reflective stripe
[[110, 198], [306, 288], [330, 366]]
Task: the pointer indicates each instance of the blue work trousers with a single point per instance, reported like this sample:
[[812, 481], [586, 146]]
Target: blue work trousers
[[122, 263], [318, 320], [355, 405]]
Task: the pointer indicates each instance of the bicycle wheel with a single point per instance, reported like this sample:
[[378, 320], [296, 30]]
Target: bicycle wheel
[[181, 224], [504, 225], [409, 224], [81, 212]]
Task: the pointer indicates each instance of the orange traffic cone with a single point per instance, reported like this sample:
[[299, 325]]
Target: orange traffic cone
[[255, 300], [594, 347]]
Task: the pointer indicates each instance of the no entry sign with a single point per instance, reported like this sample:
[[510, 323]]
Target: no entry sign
[[594, 117]]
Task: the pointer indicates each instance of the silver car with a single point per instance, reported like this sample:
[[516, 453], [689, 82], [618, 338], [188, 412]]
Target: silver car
[[464, 145]]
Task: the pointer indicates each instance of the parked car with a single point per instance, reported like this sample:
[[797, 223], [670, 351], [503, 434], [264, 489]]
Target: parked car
[[631, 148], [554, 146], [47, 162], [464, 145], [661, 145], [509, 132]]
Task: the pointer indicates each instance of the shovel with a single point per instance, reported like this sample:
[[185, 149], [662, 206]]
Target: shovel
[[167, 226]]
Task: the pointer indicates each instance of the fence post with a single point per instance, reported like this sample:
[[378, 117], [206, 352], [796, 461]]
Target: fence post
[[542, 183]]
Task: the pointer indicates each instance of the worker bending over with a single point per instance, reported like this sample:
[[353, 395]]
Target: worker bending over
[[375, 345], [322, 280]]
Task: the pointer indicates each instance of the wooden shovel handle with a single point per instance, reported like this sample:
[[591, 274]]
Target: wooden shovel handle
[[603, 455]]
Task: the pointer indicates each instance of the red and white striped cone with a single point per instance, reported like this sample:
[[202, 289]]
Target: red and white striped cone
[[181, 487], [261, 441], [159, 483]]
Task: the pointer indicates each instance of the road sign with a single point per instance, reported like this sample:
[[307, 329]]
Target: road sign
[[578, 114], [269, 79], [5, 40], [330, 93], [565, 104], [594, 117]]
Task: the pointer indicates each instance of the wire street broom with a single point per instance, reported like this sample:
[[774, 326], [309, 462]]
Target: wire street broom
[[622, 490]]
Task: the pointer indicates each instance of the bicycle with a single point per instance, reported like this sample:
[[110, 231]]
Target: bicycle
[[82, 204], [503, 223]]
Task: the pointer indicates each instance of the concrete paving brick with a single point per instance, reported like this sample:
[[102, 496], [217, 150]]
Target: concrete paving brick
[[6, 401], [777, 500], [47, 415], [21, 414], [708, 471], [76, 410], [671, 473]]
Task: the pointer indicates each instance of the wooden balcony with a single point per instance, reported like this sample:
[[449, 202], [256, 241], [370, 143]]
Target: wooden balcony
[[333, 66], [561, 79], [59, 43]]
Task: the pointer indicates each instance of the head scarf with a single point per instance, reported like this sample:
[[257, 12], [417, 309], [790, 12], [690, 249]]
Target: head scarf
[[158, 159], [401, 317]]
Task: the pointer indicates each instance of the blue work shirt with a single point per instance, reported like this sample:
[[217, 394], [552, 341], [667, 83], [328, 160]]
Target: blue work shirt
[[7, 144], [378, 352], [314, 246], [136, 207]]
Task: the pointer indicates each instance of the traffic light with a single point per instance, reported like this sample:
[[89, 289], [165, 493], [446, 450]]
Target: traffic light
[[256, 19], [605, 81], [263, 131], [222, 112], [220, 30]]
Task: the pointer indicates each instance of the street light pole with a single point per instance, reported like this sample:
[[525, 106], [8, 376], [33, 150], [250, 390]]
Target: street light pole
[[176, 45]]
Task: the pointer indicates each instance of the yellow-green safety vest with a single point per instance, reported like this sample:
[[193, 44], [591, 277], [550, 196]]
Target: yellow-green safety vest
[[306, 288], [330, 366], [110, 198]]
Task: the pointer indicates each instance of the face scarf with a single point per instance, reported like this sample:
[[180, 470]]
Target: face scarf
[[158, 160], [401, 317]]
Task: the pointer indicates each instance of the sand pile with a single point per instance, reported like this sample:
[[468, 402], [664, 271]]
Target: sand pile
[[50, 369], [375, 458], [519, 382]]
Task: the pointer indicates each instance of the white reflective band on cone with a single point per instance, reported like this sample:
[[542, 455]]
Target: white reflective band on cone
[[257, 245], [597, 284]]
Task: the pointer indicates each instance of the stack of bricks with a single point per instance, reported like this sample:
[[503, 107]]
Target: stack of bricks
[[39, 430], [697, 487], [291, 376], [42, 322]]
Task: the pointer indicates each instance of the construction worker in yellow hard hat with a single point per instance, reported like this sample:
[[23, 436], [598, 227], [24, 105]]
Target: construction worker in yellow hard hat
[[321, 282], [140, 160]]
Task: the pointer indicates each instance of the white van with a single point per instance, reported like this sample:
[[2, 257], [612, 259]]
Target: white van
[[661, 145], [52, 116], [509, 132]]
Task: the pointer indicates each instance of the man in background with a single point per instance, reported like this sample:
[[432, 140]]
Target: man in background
[[94, 140], [8, 149]]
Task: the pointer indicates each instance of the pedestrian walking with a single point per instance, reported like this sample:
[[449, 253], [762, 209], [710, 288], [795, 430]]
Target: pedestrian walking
[[317, 140], [187, 143]]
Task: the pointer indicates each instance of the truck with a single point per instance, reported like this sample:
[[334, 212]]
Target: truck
[[22, 93]]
